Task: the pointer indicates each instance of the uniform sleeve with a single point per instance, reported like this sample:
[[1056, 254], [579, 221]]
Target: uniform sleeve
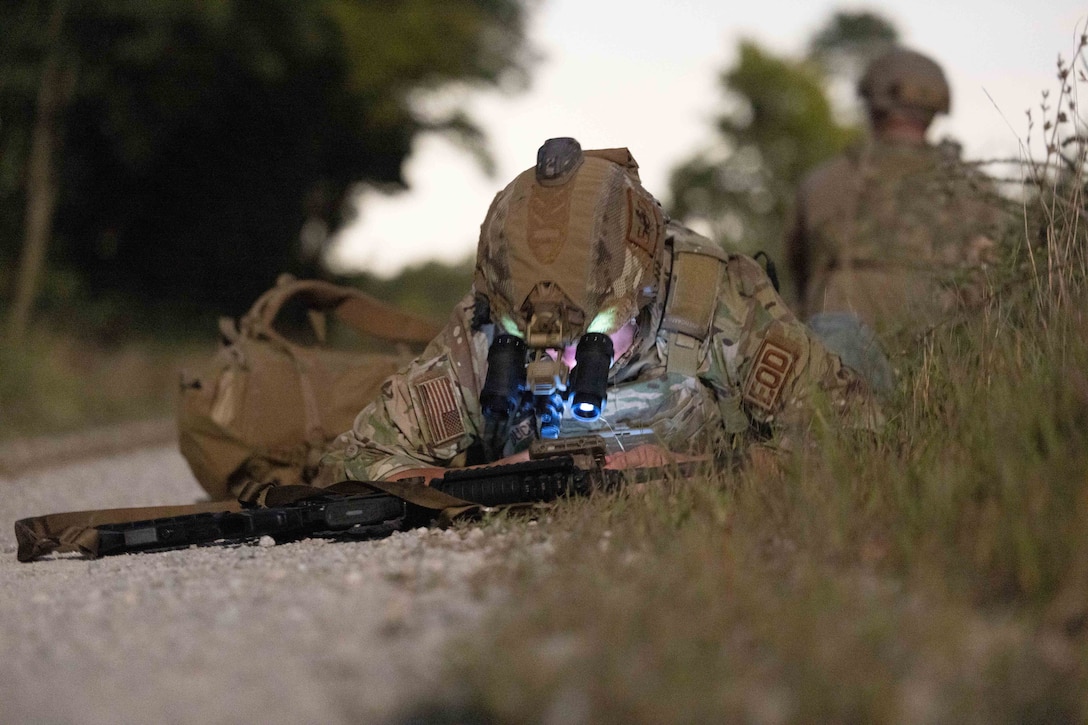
[[775, 365], [427, 414]]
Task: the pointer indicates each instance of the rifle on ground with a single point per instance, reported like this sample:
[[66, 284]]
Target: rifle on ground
[[556, 469]]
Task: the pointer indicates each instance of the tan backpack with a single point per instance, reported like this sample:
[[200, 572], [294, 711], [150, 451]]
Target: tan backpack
[[265, 407]]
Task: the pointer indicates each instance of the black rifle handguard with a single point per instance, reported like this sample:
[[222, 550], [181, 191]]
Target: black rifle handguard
[[298, 520]]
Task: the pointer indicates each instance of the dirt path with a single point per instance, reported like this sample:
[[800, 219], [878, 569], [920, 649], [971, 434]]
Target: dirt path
[[313, 631]]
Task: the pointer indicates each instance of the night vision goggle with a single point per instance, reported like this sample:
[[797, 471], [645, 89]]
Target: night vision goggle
[[518, 374]]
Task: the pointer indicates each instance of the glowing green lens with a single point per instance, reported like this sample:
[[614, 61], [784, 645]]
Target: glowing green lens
[[511, 327], [606, 322]]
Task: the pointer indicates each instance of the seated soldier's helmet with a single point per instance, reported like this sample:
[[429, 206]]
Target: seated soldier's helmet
[[903, 80], [570, 246]]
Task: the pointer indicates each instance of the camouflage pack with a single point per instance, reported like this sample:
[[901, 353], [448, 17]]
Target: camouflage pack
[[265, 406]]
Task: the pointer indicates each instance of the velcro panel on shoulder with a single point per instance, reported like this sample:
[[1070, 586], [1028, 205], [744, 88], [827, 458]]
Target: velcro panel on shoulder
[[693, 290]]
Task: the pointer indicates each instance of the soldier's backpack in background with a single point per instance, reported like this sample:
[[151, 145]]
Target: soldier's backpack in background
[[265, 406]]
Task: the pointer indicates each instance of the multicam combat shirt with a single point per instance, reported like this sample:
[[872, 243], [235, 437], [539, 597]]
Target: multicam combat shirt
[[758, 369], [898, 233]]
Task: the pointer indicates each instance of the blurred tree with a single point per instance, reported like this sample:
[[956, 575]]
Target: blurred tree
[[431, 289], [846, 44], [203, 147], [777, 125], [58, 74]]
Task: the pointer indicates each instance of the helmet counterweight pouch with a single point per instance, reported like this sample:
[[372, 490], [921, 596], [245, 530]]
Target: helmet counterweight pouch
[[694, 284]]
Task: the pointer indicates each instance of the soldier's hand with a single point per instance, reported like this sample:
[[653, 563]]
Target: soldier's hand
[[645, 456]]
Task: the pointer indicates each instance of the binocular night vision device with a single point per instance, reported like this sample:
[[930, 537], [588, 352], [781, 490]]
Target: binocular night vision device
[[517, 376]]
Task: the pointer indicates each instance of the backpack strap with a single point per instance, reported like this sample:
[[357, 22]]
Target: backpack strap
[[364, 313], [697, 268]]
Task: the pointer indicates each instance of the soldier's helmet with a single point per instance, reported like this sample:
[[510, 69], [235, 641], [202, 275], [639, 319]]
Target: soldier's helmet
[[570, 246], [905, 81]]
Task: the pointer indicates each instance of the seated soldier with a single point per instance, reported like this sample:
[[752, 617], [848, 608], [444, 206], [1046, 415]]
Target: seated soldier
[[591, 311]]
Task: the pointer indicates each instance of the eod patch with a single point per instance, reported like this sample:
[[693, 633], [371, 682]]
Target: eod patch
[[771, 368]]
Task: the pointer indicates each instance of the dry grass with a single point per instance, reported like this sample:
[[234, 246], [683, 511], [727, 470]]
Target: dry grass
[[934, 573], [54, 383]]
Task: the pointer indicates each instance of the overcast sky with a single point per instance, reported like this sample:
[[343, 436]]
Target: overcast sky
[[643, 74]]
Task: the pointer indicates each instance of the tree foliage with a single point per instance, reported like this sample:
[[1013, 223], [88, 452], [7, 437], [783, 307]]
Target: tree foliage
[[848, 41], [200, 136], [778, 126], [778, 123]]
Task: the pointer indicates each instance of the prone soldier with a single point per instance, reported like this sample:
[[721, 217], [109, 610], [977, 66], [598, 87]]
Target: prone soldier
[[592, 312]]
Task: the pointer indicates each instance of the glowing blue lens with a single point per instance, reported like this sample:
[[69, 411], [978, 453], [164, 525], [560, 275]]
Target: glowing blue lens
[[586, 411]]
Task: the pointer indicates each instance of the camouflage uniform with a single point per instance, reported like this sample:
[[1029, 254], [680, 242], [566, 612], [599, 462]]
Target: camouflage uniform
[[895, 232], [750, 366], [729, 397]]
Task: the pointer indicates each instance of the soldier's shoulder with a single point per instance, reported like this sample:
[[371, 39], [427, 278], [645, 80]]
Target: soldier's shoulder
[[964, 181], [949, 149], [821, 193], [831, 174]]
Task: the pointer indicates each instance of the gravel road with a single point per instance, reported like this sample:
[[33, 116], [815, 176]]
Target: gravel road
[[313, 631]]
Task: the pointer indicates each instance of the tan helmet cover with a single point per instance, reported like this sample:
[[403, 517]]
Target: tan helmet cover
[[905, 80], [570, 247]]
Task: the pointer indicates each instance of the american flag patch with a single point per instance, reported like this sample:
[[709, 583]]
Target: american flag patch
[[440, 410]]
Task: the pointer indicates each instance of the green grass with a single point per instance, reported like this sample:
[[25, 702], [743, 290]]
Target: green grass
[[55, 383], [937, 572]]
